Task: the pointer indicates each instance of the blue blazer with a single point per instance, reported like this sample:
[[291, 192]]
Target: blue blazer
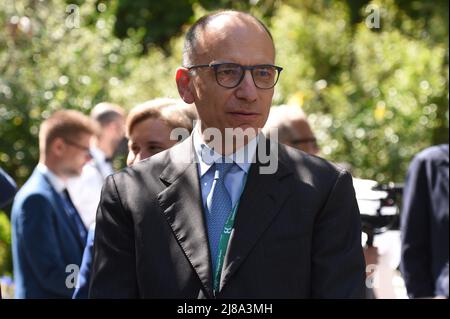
[[82, 290], [424, 224], [7, 188], [44, 242]]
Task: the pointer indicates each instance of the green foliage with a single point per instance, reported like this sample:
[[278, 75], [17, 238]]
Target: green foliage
[[158, 20], [5, 244], [375, 97], [53, 65]]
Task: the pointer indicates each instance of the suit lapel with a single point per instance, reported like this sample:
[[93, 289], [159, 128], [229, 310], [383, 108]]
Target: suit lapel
[[181, 204], [260, 203], [444, 172], [61, 210]]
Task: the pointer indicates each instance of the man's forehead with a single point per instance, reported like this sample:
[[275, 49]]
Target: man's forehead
[[234, 32], [225, 26], [233, 19]]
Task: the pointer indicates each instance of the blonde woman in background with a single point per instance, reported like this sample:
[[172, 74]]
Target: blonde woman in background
[[148, 128]]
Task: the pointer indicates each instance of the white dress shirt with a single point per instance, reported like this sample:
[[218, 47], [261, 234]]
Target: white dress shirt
[[235, 179], [56, 182], [85, 190]]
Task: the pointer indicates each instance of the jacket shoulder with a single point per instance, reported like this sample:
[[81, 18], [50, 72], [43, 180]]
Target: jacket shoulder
[[169, 162], [149, 168], [309, 165], [433, 154], [35, 188]]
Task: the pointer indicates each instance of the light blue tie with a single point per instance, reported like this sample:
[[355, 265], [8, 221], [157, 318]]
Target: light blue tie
[[218, 209]]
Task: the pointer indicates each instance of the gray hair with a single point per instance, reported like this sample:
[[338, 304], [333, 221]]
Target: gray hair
[[194, 32], [105, 112]]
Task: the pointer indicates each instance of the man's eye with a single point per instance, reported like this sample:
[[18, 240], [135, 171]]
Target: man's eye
[[155, 149], [228, 72], [264, 72]]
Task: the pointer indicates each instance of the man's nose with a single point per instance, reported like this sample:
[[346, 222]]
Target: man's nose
[[246, 89]]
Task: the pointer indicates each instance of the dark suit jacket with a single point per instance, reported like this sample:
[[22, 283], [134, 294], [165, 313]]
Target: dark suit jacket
[[44, 241], [7, 188], [296, 235], [424, 224]]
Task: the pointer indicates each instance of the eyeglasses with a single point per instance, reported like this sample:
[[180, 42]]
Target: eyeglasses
[[230, 75], [81, 147]]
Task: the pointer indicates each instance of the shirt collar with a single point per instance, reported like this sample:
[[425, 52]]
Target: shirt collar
[[57, 182], [242, 158]]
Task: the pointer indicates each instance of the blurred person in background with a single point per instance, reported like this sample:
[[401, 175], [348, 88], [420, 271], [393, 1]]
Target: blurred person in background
[[48, 234], [424, 224], [85, 190], [8, 188], [148, 128], [293, 128], [149, 125]]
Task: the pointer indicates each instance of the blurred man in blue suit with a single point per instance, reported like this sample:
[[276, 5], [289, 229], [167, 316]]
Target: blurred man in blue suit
[[48, 235], [424, 224]]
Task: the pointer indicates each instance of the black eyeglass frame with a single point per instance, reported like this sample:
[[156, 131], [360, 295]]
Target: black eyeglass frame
[[215, 66], [81, 147]]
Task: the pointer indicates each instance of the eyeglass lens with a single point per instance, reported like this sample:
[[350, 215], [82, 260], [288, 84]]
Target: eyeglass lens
[[230, 75]]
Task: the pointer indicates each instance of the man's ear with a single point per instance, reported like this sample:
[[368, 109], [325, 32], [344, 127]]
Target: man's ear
[[184, 85], [57, 146]]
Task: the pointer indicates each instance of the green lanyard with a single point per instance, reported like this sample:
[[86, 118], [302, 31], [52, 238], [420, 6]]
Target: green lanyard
[[223, 243]]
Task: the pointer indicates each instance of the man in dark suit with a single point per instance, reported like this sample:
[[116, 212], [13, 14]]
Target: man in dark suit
[[7, 188], [424, 224], [224, 218], [48, 235]]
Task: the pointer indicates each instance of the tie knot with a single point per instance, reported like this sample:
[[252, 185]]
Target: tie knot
[[66, 193], [223, 168]]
